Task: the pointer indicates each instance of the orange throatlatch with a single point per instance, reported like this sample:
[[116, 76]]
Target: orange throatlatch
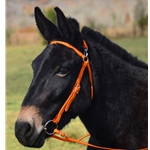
[[62, 136]]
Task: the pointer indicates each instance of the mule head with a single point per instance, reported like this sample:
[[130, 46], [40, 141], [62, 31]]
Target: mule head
[[55, 71]]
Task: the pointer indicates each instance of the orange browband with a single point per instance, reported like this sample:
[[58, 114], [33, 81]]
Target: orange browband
[[62, 136]]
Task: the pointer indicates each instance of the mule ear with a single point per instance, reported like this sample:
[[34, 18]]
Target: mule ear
[[63, 24], [74, 23], [46, 27]]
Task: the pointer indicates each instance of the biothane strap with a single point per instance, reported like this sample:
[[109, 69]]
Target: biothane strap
[[76, 87], [65, 138], [72, 96]]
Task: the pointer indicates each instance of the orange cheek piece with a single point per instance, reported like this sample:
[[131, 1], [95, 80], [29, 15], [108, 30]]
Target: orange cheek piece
[[76, 87]]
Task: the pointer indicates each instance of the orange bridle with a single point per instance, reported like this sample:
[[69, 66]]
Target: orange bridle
[[76, 87], [72, 96]]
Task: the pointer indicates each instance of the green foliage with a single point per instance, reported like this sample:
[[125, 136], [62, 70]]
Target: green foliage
[[9, 32], [49, 14], [143, 22], [141, 16]]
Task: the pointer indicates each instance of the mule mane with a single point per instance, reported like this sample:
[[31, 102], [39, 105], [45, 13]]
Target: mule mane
[[100, 39]]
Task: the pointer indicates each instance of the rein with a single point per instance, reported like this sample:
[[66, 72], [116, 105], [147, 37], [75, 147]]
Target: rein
[[76, 88]]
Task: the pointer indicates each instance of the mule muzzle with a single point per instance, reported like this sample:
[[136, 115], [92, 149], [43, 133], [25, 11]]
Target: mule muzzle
[[28, 135], [28, 127]]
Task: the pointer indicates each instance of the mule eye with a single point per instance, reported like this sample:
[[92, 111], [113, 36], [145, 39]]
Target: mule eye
[[62, 72]]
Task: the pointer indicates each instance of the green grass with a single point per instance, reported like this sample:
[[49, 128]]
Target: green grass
[[136, 46], [19, 73], [18, 78]]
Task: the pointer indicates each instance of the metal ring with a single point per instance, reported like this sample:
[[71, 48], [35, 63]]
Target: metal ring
[[85, 59], [45, 127]]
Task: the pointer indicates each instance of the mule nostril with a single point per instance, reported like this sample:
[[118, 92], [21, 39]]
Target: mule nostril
[[24, 129], [28, 130]]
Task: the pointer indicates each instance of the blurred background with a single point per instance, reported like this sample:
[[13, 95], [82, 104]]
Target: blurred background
[[125, 22], [114, 18]]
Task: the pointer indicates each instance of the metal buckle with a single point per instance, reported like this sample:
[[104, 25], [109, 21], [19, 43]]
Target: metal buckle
[[77, 89], [45, 127], [86, 52], [86, 55]]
